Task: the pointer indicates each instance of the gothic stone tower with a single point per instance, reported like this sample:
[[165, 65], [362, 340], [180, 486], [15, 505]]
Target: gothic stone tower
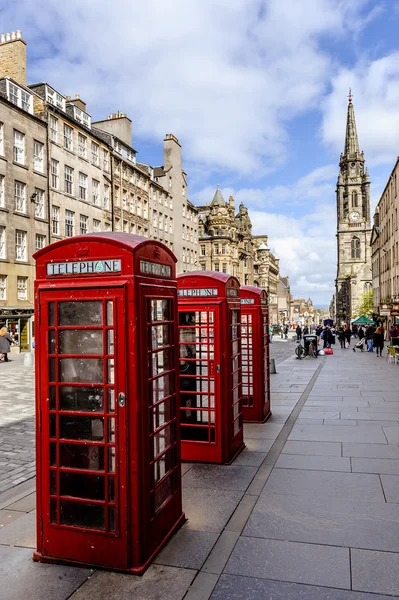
[[353, 225]]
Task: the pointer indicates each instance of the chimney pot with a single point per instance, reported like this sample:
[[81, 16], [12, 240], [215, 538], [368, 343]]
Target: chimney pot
[[3, 38], [13, 35], [8, 37], [19, 34], [77, 97]]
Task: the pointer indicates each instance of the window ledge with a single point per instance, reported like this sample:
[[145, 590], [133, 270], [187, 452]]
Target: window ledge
[[41, 219], [4, 260], [17, 164], [20, 214], [2, 157], [39, 173], [84, 158], [3, 209]]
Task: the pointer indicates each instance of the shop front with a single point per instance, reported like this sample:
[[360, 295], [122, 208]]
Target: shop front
[[20, 325]]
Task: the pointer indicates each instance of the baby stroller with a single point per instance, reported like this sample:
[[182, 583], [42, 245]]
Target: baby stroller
[[360, 345]]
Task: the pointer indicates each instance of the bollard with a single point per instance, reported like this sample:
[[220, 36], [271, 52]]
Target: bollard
[[28, 359], [273, 367]]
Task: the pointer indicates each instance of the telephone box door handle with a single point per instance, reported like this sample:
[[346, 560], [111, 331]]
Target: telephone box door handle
[[217, 368], [121, 399]]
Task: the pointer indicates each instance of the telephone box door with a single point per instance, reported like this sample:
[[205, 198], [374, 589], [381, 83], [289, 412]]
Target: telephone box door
[[83, 413]]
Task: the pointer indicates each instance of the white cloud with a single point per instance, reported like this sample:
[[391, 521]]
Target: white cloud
[[225, 77], [375, 85]]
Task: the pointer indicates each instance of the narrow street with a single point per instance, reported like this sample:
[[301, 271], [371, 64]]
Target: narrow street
[[308, 510]]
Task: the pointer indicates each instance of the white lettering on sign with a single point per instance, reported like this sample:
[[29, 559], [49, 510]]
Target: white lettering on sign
[[247, 301], [198, 292], [85, 267], [232, 292], [150, 268]]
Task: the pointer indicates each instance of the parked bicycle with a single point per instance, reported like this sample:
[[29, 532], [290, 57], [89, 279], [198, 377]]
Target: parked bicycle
[[310, 349]]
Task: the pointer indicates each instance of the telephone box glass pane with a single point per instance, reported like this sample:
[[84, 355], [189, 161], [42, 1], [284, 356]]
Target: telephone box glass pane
[[51, 341], [161, 361], [80, 341], [82, 485], [159, 336], [161, 414], [74, 427], [161, 387], [163, 492], [162, 440], [89, 516], [80, 313], [51, 314], [85, 399], [160, 310], [75, 456], [88, 370]]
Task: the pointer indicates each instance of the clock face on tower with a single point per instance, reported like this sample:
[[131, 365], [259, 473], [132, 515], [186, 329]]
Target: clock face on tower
[[354, 217]]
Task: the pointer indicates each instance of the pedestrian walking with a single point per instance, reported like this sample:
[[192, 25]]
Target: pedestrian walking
[[369, 337], [360, 333], [271, 333], [341, 337], [286, 332], [306, 330], [378, 340], [348, 335], [298, 333], [5, 343], [393, 333]]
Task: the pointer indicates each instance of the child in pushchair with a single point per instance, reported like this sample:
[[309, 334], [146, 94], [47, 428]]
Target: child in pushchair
[[359, 345]]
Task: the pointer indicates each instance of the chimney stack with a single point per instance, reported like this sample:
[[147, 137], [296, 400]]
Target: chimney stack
[[13, 56]]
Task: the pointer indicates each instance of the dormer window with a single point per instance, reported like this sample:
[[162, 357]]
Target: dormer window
[[19, 97]]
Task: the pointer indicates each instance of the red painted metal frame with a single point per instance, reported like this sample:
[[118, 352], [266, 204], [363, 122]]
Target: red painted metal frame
[[256, 354], [148, 493], [210, 367]]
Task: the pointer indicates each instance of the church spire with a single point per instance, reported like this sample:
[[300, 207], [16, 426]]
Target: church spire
[[351, 141]]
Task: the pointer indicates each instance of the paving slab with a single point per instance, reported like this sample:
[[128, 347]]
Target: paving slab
[[258, 445], [386, 466], [288, 561], [208, 509], [188, 549], [262, 431], [313, 448], [21, 578], [157, 583], [21, 532], [370, 450], [390, 484], [249, 459], [219, 477], [313, 421], [368, 416], [353, 486], [235, 587], [8, 516], [392, 434], [334, 433], [26, 504], [336, 403], [313, 463], [329, 521], [376, 572]]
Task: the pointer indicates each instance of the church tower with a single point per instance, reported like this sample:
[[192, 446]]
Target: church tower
[[353, 225]]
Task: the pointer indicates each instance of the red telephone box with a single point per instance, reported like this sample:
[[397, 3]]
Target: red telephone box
[[255, 350], [108, 442], [210, 367]]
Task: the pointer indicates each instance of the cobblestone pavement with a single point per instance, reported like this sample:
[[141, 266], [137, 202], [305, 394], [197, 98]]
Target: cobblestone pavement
[[17, 436], [281, 349]]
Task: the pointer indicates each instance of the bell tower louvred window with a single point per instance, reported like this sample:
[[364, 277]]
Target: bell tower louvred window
[[355, 248]]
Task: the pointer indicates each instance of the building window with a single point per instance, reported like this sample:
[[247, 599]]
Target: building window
[[3, 287], [54, 174], [95, 192], [2, 241], [2, 139], [160, 221], [117, 224], [39, 204], [106, 197], [131, 204], [116, 196], [22, 288], [224, 247], [154, 218], [139, 207], [40, 241], [20, 197], [245, 264], [68, 180], [132, 228], [82, 145], [124, 199], [20, 245], [224, 267], [14, 93], [216, 267], [203, 266], [355, 248], [216, 248], [38, 157], [19, 147], [171, 225], [202, 250], [96, 225], [68, 137], [94, 153], [83, 224], [125, 226], [53, 129], [55, 217], [82, 186], [69, 223], [354, 200], [106, 160], [107, 226], [2, 196]]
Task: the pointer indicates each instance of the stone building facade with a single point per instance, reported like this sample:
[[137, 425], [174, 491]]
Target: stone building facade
[[354, 275], [284, 299], [302, 311], [385, 251], [226, 244]]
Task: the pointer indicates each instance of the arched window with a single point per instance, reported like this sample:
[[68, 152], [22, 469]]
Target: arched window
[[354, 200], [367, 287], [355, 247]]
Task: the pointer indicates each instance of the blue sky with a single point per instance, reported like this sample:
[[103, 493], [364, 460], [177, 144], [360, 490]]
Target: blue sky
[[255, 90]]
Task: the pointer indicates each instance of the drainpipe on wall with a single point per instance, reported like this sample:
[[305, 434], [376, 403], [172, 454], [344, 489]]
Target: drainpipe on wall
[[48, 180]]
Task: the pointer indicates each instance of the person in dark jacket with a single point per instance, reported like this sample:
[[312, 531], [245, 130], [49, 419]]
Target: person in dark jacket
[[298, 332], [369, 337], [360, 333], [306, 330], [5, 343], [341, 337], [348, 335], [378, 341]]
